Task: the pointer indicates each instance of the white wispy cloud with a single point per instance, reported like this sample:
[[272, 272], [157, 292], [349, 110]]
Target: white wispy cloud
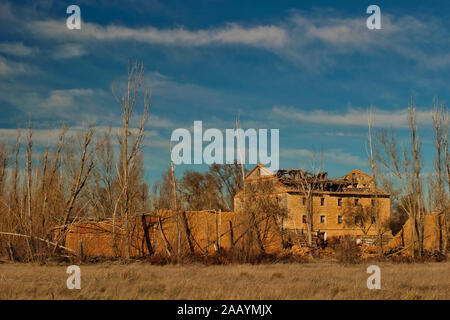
[[156, 121], [68, 50], [49, 136], [64, 98], [259, 36], [342, 134], [41, 137], [165, 86], [351, 117], [9, 67], [317, 39], [313, 40], [17, 49], [305, 157], [73, 105]]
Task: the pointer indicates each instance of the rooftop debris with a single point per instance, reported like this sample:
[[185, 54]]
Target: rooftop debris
[[301, 179]]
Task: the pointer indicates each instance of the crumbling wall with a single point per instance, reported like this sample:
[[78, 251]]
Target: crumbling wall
[[199, 232], [431, 240]]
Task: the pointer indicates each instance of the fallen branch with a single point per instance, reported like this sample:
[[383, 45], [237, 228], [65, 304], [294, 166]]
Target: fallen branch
[[37, 238]]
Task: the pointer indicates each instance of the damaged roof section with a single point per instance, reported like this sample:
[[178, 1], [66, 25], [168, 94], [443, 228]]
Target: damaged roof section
[[296, 180]]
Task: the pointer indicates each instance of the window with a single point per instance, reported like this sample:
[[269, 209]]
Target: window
[[339, 202], [322, 219], [357, 219], [373, 219], [373, 203], [356, 202], [304, 218], [304, 201], [322, 201], [340, 219]]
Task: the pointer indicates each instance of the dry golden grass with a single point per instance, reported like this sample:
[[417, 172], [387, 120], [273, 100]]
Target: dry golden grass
[[321, 280]]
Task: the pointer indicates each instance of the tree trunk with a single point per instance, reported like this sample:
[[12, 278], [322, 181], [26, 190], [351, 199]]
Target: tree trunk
[[147, 236], [163, 235], [188, 232]]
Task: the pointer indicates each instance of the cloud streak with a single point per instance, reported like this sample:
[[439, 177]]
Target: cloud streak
[[338, 156], [9, 67], [313, 40], [259, 36], [351, 117], [17, 49], [69, 50], [317, 39]]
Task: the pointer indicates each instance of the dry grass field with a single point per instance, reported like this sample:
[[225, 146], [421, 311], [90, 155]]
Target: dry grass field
[[316, 280]]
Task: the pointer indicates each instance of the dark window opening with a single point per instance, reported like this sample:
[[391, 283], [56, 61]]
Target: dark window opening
[[340, 202], [304, 218], [322, 201], [339, 219], [322, 219]]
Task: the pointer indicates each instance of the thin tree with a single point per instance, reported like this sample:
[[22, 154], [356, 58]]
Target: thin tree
[[308, 183], [440, 118], [446, 205], [406, 166], [29, 168], [77, 181], [416, 144], [175, 207], [131, 141], [376, 207]]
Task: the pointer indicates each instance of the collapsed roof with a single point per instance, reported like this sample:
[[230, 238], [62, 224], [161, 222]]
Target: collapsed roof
[[295, 180]]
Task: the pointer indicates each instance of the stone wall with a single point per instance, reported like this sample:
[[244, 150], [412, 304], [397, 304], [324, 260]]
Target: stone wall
[[208, 230]]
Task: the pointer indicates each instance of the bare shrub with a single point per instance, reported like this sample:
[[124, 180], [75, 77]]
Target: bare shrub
[[347, 250]]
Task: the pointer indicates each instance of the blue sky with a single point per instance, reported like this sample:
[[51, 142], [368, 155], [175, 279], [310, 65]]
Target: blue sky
[[308, 68]]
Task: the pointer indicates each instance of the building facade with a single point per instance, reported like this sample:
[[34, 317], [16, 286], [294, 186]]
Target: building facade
[[350, 205]]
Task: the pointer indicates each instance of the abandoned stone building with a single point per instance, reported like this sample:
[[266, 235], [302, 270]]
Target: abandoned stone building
[[332, 201]]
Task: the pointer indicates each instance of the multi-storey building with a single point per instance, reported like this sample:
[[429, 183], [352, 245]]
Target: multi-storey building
[[336, 206]]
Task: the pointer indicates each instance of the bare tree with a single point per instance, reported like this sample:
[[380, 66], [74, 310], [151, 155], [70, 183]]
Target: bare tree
[[104, 189], [131, 140], [29, 168], [440, 120], [175, 206], [201, 191], [78, 175], [406, 166], [447, 169], [416, 144], [262, 215], [380, 225], [308, 183], [362, 217], [229, 182]]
